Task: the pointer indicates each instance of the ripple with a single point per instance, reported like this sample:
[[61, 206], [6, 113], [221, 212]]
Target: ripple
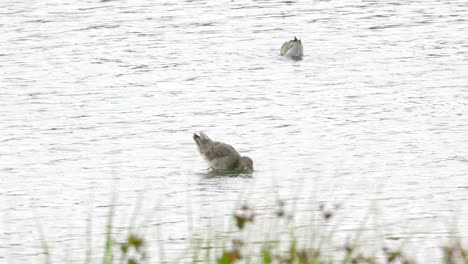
[[103, 97]]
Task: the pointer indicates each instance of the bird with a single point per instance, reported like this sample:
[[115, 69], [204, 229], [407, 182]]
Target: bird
[[293, 49], [221, 156]]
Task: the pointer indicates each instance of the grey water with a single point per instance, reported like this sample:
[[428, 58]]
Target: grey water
[[99, 101]]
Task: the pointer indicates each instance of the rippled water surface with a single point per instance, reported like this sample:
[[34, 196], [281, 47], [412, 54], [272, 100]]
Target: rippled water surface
[[103, 97]]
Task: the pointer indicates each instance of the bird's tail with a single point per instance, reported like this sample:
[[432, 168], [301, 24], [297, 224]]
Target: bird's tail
[[201, 139]]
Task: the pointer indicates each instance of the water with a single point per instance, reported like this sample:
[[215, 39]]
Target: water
[[103, 97]]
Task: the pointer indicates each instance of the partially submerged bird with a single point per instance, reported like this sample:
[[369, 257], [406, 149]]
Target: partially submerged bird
[[221, 156], [292, 49]]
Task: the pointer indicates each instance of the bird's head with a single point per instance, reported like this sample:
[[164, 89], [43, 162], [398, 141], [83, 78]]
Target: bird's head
[[245, 165]]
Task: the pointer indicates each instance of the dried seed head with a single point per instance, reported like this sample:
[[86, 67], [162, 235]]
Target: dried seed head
[[327, 215], [321, 207]]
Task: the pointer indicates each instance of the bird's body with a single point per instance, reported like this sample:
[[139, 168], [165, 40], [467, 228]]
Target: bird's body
[[293, 49], [221, 156]]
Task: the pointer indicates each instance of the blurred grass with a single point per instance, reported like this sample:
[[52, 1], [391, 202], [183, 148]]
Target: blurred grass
[[315, 248]]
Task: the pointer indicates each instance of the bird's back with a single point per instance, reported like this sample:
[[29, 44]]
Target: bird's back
[[214, 150], [218, 155], [286, 46]]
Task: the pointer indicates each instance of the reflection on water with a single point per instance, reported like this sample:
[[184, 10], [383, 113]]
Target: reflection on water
[[225, 174], [103, 97]]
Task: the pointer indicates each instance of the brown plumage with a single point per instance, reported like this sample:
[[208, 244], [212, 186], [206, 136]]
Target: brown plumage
[[221, 156]]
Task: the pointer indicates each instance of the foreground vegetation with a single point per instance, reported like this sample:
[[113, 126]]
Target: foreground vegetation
[[239, 249]]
